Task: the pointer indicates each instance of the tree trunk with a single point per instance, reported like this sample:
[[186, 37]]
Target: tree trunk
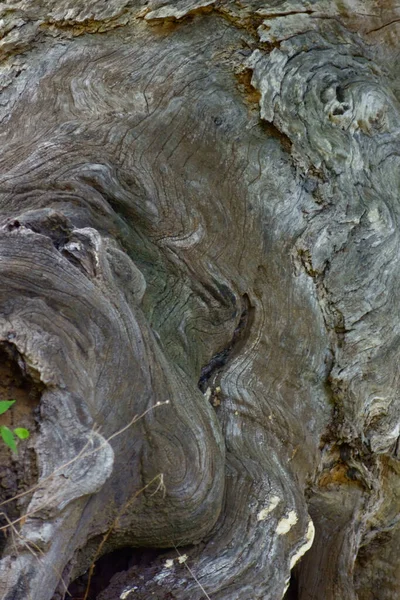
[[199, 280]]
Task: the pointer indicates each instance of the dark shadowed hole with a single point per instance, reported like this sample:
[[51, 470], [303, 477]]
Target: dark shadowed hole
[[293, 589], [340, 95], [340, 110], [109, 565]]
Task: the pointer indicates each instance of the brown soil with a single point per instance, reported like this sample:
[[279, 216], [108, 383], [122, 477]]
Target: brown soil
[[18, 471]]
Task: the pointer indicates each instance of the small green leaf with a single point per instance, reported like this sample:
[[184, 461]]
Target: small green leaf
[[5, 405], [22, 433], [8, 437]]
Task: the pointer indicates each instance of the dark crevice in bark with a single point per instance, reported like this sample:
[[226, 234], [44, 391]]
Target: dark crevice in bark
[[251, 94], [221, 358], [111, 571], [186, 19], [72, 244], [248, 23], [290, 13], [383, 26], [274, 132], [293, 589], [47, 222], [253, 97]]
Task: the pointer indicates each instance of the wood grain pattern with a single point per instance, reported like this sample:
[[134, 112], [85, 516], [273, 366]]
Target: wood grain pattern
[[198, 205]]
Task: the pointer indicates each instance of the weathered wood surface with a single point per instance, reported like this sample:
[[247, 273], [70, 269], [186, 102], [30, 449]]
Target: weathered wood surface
[[199, 205]]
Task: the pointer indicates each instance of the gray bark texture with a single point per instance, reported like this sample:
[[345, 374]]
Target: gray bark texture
[[199, 227]]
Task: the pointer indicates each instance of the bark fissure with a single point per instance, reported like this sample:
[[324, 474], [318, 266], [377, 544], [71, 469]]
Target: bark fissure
[[213, 368]]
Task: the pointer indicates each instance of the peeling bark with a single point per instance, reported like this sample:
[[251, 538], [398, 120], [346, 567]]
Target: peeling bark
[[199, 228]]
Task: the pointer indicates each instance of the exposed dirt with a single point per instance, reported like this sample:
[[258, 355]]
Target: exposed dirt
[[18, 471]]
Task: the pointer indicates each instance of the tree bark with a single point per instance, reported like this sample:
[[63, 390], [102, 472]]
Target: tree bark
[[199, 284]]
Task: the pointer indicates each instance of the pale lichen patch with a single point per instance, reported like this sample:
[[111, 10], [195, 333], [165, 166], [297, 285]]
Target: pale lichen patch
[[182, 559], [373, 215], [127, 593], [169, 563], [207, 393], [306, 546], [286, 523], [262, 515]]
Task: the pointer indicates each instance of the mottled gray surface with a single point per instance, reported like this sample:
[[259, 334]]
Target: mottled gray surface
[[214, 183]]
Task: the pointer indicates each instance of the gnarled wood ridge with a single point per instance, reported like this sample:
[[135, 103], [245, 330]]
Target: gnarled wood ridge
[[200, 208]]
